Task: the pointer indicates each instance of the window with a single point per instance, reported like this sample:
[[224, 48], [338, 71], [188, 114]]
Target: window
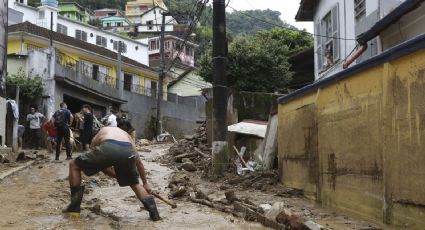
[[359, 9], [101, 41], [108, 24], [123, 46], [188, 51], [119, 24], [41, 14], [154, 87], [150, 23], [95, 72], [328, 45], [128, 81], [154, 44], [167, 45], [81, 35], [61, 29]]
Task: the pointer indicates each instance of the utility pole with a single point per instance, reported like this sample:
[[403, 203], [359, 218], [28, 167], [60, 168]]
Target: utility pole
[[220, 154], [161, 77], [3, 46], [119, 81], [51, 30]]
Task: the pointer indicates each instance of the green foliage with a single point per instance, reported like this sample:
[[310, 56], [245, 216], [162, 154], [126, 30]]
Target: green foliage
[[95, 22], [238, 23], [259, 63], [30, 88]]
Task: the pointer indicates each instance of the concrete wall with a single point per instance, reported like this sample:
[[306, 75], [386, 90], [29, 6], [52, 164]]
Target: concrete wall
[[3, 110], [357, 144], [179, 118]]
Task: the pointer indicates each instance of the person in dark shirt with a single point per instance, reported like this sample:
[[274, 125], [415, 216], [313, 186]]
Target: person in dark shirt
[[124, 124], [87, 127], [62, 120]]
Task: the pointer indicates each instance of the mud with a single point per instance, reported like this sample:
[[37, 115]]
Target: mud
[[34, 198]]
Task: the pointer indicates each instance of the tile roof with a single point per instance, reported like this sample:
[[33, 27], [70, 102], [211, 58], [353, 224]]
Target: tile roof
[[62, 38]]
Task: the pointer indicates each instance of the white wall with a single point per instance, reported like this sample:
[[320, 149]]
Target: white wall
[[409, 26], [32, 15], [157, 20], [140, 55], [347, 30]]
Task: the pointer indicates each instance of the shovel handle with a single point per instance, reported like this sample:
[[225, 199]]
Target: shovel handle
[[167, 201]]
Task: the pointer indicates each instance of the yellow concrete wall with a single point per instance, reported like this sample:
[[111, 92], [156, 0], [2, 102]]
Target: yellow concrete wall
[[369, 154], [13, 46]]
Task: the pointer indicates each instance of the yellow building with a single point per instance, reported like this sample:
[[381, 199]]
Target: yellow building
[[83, 72]]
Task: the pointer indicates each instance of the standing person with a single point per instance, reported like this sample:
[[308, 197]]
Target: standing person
[[124, 124], [112, 119], [113, 153], [62, 120], [87, 126], [35, 119]]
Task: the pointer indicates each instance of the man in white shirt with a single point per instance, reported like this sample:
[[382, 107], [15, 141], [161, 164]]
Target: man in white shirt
[[112, 119], [35, 120]]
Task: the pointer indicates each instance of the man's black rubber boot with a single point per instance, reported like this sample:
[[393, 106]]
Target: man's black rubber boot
[[150, 205], [74, 208]]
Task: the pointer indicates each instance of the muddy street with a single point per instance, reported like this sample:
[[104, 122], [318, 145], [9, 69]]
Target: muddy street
[[34, 198]]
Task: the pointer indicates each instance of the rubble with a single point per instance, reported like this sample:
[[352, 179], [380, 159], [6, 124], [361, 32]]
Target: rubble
[[193, 148]]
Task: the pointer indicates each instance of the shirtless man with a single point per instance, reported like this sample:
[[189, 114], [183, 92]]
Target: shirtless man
[[113, 152]]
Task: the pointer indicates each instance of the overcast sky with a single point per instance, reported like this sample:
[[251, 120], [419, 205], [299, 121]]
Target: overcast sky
[[288, 9]]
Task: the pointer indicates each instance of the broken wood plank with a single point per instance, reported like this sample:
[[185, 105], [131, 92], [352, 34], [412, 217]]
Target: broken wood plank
[[240, 157]]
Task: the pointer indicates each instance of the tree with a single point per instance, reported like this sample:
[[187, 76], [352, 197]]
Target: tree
[[31, 87], [238, 22], [259, 63]]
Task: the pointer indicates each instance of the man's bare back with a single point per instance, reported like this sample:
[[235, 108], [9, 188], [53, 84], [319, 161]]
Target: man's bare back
[[111, 133]]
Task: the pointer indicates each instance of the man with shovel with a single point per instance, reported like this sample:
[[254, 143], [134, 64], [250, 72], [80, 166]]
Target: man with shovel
[[113, 152]]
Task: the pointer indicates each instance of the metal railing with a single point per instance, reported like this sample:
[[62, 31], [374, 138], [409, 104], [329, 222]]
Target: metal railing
[[87, 71]]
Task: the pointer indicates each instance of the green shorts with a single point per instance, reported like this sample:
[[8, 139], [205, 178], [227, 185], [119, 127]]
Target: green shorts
[[118, 154]]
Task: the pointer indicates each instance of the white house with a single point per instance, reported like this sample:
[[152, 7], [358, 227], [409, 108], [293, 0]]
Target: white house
[[150, 21], [338, 24], [41, 16]]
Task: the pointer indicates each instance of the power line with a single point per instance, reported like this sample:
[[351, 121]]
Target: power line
[[288, 28], [189, 31]]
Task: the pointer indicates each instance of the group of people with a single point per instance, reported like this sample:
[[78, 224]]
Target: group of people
[[60, 128]]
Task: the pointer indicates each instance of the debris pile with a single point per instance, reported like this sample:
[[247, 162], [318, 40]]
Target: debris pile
[[192, 153]]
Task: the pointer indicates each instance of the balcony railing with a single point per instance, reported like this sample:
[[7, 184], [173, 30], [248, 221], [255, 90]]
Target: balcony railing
[[90, 72]]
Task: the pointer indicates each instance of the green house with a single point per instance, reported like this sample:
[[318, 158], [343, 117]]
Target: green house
[[75, 11], [115, 21]]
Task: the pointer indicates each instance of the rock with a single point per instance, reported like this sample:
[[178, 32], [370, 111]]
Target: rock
[[189, 137], [179, 192], [201, 195], [184, 160], [189, 166], [275, 210], [96, 209], [3, 159], [144, 150], [21, 157], [143, 142], [291, 220], [313, 225], [230, 196], [180, 157], [40, 156], [265, 208]]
